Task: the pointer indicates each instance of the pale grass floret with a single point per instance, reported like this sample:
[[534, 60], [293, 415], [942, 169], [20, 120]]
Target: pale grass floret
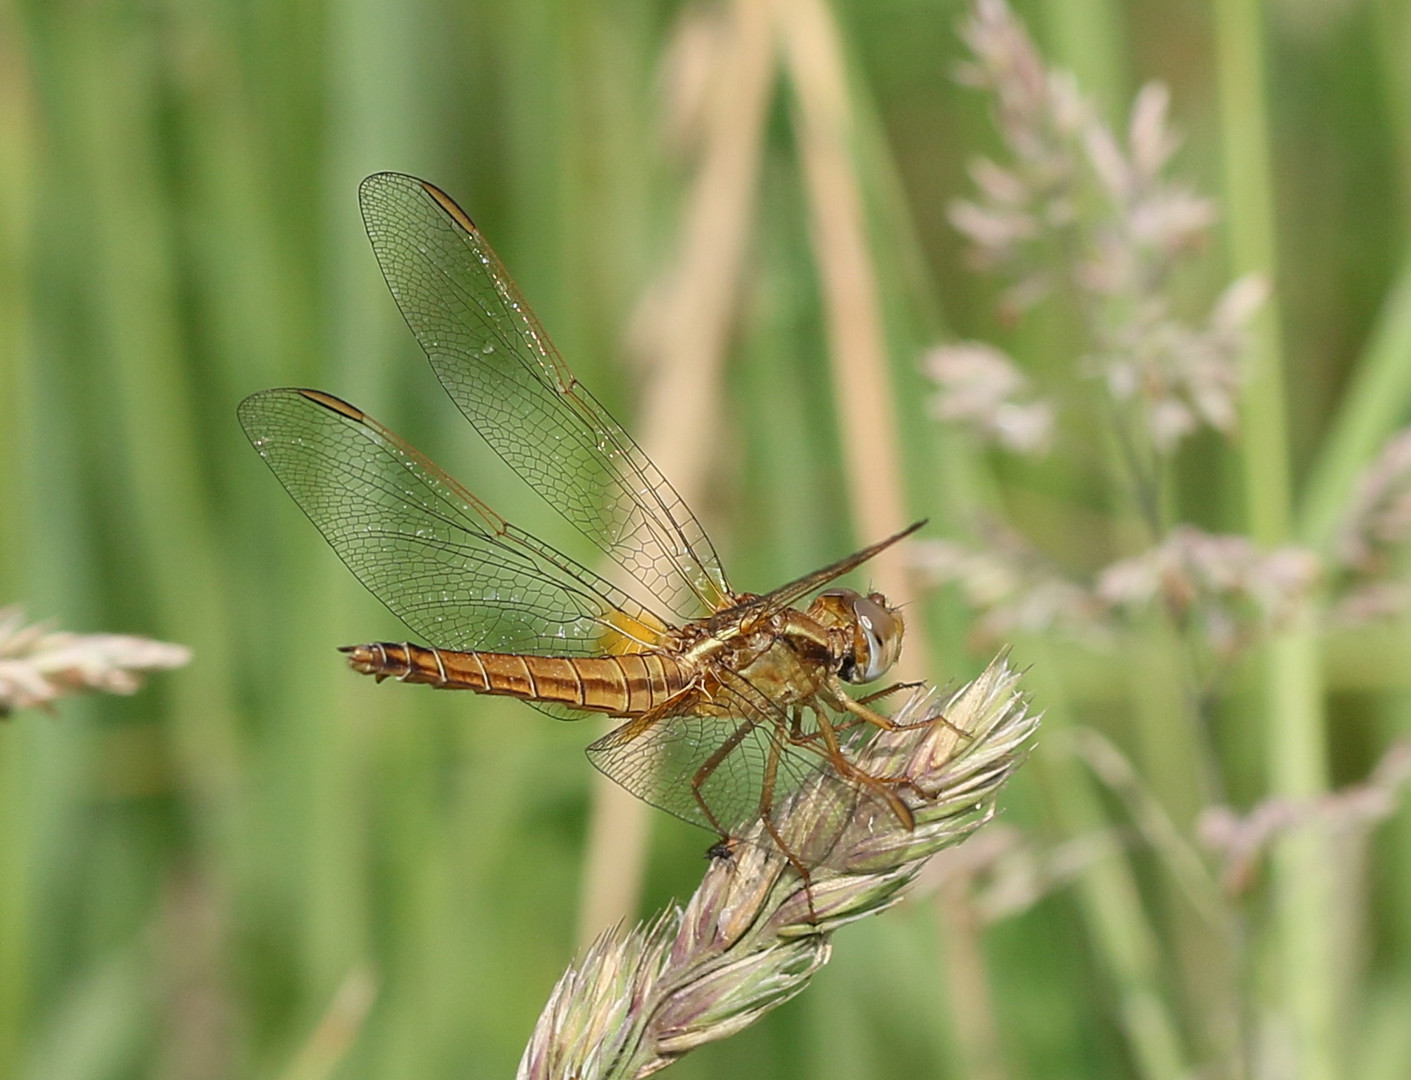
[[1367, 546], [1116, 256], [982, 388], [1225, 586], [1182, 375], [39, 665], [1225, 583], [1012, 588], [755, 932], [1241, 840], [1380, 514]]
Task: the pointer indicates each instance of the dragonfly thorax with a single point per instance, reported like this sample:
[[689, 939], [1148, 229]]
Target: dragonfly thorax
[[872, 632]]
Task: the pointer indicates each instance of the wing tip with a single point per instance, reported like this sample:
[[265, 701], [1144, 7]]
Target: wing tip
[[901, 534], [384, 178], [370, 185]]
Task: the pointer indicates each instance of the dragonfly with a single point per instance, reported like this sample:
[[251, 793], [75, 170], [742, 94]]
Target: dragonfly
[[728, 701]]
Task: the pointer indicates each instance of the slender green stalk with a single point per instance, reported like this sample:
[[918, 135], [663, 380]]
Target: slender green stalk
[[1249, 198], [1112, 905], [1304, 986], [1377, 401], [1392, 37], [16, 911], [1088, 39], [1166, 727], [375, 65], [16, 413]]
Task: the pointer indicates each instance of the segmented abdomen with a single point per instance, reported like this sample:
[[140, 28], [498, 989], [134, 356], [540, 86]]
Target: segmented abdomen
[[625, 685]]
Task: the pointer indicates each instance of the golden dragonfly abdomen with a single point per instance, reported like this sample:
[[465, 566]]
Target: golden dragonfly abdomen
[[625, 685]]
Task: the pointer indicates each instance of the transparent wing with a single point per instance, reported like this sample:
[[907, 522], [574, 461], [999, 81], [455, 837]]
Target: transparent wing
[[499, 366], [727, 771], [455, 572], [786, 595]]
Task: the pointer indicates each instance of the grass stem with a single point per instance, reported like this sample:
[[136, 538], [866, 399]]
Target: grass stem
[[1295, 731]]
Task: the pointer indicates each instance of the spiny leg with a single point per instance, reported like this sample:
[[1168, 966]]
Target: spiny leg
[[861, 710], [894, 688], [810, 740], [887, 691], [724, 848], [848, 768], [766, 817], [707, 770], [824, 743], [882, 786]]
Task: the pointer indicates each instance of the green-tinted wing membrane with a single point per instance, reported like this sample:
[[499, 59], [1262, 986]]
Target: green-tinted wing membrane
[[726, 771], [657, 760], [454, 571], [504, 374]]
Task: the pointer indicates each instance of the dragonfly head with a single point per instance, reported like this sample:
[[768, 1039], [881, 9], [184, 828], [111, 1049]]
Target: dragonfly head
[[876, 631]]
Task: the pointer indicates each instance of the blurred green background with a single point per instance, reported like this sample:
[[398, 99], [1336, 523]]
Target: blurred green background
[[189, 876]]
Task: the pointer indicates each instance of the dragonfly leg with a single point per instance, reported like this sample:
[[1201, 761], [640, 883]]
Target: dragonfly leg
[[884, 787], [799, 737], [707, 770], [725, 846], [887, 691], [863, 711], [766, 817], [832, 752], [839, 699]]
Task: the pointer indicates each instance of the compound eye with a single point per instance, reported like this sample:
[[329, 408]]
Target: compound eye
[[879, 638]]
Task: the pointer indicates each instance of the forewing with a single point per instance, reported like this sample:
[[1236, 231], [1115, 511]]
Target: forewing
[[499, 366], [454, 571], [789, 594]]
